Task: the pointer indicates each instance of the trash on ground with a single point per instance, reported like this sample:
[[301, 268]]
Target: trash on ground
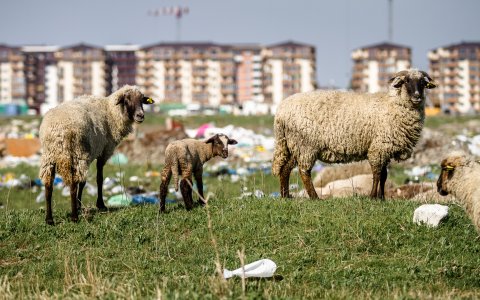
[[260, 268], [430, 214]]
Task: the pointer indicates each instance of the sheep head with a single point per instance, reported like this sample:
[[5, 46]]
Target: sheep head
[[412, 83], [220, 144], [132, 100], [449, 166]]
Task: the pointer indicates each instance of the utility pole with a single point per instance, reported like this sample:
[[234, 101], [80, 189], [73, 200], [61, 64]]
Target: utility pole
[[177, 11], [390, 20]]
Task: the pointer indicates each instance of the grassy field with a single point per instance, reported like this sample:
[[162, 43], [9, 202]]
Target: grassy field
[[349, 248]]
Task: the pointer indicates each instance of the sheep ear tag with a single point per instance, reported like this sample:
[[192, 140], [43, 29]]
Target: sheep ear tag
[[148, 100], [448, 168]]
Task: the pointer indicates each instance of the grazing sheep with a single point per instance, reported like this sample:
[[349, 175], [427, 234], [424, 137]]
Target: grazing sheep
[[460, 176], [186, 157], [77, 132], [340, 127]]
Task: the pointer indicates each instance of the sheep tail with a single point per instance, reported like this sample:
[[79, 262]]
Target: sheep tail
[[281, 155], [175, 173]]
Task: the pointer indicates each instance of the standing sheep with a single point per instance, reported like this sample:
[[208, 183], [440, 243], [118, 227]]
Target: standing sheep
[[77, 132], [460, 176], [340, 127], [186, 157]]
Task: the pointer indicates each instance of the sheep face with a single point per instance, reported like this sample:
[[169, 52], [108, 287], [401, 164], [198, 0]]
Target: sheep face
[[220, 144], [414, 83], [448, 165], [132, 101]]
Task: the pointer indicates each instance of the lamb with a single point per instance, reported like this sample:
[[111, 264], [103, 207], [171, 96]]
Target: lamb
[[77, 132], [460, 177], [186, 157], [340, 127]]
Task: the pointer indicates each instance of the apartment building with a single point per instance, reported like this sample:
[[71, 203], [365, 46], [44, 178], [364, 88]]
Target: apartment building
[[374, 65], [12, 79], [456, 68], [249, 73], [122, 60], [289, 68], [82, 69], [40, 70], [202, 73]]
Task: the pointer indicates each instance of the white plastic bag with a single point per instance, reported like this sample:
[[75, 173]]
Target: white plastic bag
[[259, 268]]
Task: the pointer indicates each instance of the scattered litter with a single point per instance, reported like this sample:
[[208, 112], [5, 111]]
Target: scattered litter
[[41, 197], [148, 198], [119, 200], [430, 214], [260, 268], [118, 159]]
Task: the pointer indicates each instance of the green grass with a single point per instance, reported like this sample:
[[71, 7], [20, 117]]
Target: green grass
[[337, 248]]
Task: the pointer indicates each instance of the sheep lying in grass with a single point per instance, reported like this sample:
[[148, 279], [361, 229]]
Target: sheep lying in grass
[[340, 127], [186, 157], [77, 132], [460, 176]]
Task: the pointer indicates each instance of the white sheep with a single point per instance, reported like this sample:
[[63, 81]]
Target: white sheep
[[340, 127], [186, 157], [460, 176], [77, 132]]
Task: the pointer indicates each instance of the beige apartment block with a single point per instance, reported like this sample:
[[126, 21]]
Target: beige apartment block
[[289, 68], [82, 69], [201, 73], [456, 68], [374, 65], [12, 78]]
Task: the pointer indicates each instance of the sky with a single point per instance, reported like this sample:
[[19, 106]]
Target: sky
[[334, 27]]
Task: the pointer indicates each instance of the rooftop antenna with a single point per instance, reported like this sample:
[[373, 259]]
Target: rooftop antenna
[[390, 20], [177, 11]]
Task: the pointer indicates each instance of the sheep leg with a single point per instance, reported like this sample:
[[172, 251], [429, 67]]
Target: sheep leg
[[307, 183], [100, 204], [186, 193], [74, 200], [285, 178], [48, 196], [383, 178], [199, 181], [81, 185], [376, 179], [166, 176]]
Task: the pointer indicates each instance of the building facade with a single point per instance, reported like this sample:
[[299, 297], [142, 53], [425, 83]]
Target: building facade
[[12, 77], [289, 68], [82, 69], [40, 70], [456, 68], [204, 74], [374, 65]]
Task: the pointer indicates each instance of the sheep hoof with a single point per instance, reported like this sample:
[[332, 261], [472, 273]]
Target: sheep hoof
[[74, 219], [102, 208], [201, 202], [50, 222]]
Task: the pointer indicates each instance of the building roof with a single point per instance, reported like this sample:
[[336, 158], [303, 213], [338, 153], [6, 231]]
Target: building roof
[[126, 47], [80, 46], [178, 45], [462, 44], [384, 45], [40, 48], [290, 43]]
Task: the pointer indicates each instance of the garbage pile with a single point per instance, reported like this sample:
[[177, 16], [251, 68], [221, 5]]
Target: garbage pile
[[19, 143]]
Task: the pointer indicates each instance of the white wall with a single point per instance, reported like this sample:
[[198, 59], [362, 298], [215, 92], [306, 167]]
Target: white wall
[[277, 80], [6, 76], [372, 70]]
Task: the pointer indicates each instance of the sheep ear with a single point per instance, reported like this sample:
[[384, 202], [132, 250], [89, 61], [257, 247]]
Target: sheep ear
[[431, 84], [120, 100], [397, 81], [232, 142], [147, 100], [210, 140]]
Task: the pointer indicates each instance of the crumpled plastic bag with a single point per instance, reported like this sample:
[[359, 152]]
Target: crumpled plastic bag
[[260, 268]]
